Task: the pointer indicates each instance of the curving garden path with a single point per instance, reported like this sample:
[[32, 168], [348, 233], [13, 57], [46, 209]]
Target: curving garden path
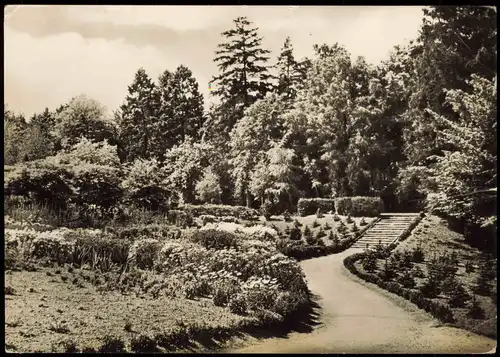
[[359, 317]]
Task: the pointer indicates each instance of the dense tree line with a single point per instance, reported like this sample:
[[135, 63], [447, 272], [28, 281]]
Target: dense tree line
[[418, 130]]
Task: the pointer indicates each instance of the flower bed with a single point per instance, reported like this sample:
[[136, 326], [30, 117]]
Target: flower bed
[[241, 272]]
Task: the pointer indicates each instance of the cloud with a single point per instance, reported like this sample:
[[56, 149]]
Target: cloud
[[53, 69], [55, 52]]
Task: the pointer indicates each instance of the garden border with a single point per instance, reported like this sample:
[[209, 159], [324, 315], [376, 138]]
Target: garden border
[[436, 309]]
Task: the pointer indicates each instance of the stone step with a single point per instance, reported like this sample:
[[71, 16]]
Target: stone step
[[380, 234], [375, 241], [387, 230]]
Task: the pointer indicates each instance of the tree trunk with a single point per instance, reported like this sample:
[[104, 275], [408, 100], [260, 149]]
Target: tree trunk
[[249, 199]]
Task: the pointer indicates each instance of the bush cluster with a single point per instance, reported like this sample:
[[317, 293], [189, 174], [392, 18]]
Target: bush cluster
[[240, 212], [359, 206], [308, 206], [180, 218]]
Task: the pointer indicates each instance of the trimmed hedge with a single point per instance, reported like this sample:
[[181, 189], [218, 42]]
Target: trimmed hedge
[[180, 218], [240, 212], [303, 252], [406, 233], [308, 206], [436, 309], [359, 206]]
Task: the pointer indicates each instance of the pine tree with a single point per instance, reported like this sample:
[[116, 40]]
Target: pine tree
[[458, 296], [181, 108], [244, 77], [370, 263], [475, 309], [291, 74], [308, 235], [14, 127], [139, 118]]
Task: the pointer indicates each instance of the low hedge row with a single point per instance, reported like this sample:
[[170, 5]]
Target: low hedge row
[[406, 233], [359, 206], [240, 212], [308, 206], [303, 252], [436, 309], [180, 218]]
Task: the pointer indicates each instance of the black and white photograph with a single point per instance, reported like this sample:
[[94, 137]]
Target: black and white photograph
[[250, 179]]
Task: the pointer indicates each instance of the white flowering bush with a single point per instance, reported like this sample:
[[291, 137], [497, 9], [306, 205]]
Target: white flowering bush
[[145, 186]]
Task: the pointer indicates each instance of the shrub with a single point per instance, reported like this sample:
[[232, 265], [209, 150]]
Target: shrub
[[359, 206], [146, 253], [388, 271], [144, 186], [406, 259], [100, 251], [349, 219], [487, 274], [180, 218], [238, 305], [96, 185], [333, 238], [407, 280], [46, 185], [483, 284], [307, 233], [315, 224], [475, 310], [143, 344], [286, 216], [223, 293], [70, 346], [240, 212], [417, 254], [431, 288], [214, 239], [362, 222], [458, 296], [381, 251], [370, 263], [342, 228], [469, 267], [326, 226], [308, 206], [417, 272], [295, 233], [112, 344], [265, 210], [321, 233]]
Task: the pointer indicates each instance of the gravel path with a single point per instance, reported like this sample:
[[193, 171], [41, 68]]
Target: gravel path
[[358, 317]]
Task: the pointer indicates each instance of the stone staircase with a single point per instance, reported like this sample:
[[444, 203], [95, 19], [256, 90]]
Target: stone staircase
[[386, 230]]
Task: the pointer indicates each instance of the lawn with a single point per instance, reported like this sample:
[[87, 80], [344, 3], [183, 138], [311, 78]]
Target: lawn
[[436, 240], [46, 311], [315, 224]]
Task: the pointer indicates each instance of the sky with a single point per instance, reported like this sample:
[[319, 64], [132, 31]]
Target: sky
[[53, 53]]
